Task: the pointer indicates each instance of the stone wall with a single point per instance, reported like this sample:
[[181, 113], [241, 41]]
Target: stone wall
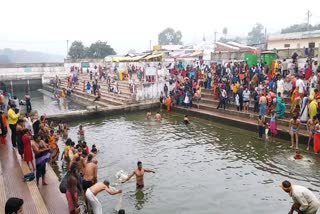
[[223, 56], [287, 53], [150, 91], [30, 71], [282, 53]]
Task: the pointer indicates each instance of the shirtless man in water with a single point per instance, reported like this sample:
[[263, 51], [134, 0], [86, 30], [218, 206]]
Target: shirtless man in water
[[139, 173], [311, 126], [149, 115], [92, 192], [294, 125], [89, 173], [157, 116]]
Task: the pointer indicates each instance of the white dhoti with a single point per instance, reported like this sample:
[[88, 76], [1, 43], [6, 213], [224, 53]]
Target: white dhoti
[[94, 202]]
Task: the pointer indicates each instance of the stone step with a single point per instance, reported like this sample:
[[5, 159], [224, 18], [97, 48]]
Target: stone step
[[36, 199], [105, 94], [213, 102], [123, 83], [232, 111], [285, 99], [210, 91], [104, 91], [103, 99], [89, 100], [124, 91], [226, 117]]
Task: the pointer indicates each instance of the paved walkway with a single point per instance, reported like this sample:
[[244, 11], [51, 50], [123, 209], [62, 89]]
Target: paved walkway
[[42, 200]]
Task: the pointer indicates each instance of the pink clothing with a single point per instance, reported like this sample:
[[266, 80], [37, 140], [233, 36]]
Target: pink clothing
[[70, 201], [273, 128]]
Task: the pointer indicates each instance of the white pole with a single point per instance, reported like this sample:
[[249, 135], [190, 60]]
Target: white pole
[[318, 53]]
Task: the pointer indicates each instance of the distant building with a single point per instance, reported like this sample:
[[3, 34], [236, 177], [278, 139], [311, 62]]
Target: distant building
[[304, 43], [231, 51]]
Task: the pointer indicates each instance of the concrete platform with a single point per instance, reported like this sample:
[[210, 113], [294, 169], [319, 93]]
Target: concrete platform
[[224, 116], [42, 200]]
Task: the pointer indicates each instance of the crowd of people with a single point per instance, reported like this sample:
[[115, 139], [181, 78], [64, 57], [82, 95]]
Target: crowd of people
[[37, 143], [264, 85], [37, 140]]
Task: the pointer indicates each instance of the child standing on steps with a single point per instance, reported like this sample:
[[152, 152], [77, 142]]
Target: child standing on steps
[[261, 125], [273, 126], [237, 101]]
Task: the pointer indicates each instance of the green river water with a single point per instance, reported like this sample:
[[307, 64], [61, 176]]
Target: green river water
[[202, 168]]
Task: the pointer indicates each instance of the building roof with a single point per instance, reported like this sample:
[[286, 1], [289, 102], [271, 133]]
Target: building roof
[[294, 36], [241, 46], [225, 47]]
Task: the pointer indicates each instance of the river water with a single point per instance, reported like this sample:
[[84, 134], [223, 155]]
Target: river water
[[201, 168], [45, 104]]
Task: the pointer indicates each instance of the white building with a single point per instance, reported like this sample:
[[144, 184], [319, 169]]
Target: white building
[[299, 40]]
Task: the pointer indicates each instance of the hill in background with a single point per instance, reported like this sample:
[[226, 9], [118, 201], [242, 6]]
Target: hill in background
[[22, 56]]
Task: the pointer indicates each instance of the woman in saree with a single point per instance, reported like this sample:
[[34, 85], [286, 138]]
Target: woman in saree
[[280, 106], [270, 103], [313, 108], [168, 103], [294, 95], [54, 149], [295, 102], [304, 109], [254, 81]]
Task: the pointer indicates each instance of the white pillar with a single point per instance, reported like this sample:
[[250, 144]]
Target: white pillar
[[318, 53]]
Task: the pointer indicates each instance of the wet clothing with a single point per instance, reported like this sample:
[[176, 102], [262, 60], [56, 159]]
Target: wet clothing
[[86, 184], [41, 160], [71, 205], [280, 107], [139, 186], [273, 125], [261, 131], [263, 109], [27, 151], [94, 202]]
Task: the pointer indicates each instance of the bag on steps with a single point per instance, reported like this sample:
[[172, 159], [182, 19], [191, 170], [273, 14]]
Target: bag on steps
[[28, 177], [63, 184]]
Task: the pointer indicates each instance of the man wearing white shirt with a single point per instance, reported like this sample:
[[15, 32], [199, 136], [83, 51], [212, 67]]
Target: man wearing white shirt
[[314, 80], [246, 99], [300, 84], [304, 201]]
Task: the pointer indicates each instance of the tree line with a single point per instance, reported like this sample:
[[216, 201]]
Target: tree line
[[255, 37], [97, 50]]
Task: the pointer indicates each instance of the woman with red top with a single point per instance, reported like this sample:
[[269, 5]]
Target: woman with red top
[[27, 151], [3, 127]]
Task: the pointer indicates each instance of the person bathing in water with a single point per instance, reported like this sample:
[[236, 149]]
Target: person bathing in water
[[297, 156], [92, 192], [157, 116], [149, 115], [186, 120], [139, 173], [294, 125]]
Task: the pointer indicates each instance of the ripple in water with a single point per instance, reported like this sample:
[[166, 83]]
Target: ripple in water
[[204, 167]]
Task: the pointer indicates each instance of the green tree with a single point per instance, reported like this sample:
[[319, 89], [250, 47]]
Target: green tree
[[299, 28], [100, 50], [77, 50], [170, 37], [256, 35], [225, 32]]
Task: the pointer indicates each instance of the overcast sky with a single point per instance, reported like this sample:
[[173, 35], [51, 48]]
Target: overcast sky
[[42, 25]]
